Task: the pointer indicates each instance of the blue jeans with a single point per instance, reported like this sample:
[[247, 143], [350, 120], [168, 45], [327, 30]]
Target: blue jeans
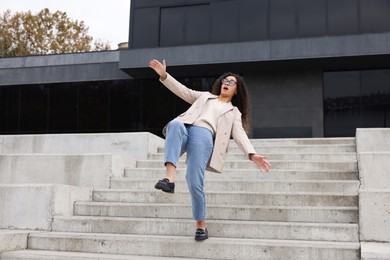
[[198, 143]]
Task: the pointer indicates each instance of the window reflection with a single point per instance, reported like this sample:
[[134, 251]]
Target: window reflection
[[63, 112], [33, 109], [354, 99], [105, 106], [9, 109]]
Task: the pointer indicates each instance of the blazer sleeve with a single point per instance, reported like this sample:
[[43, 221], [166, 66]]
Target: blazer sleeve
[[180, 90], [240, 137]]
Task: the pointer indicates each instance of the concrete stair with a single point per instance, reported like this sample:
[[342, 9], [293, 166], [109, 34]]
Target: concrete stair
[[306, 208]]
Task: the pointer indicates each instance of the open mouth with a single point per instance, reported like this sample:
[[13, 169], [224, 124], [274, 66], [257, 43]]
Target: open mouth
[[225, 88]]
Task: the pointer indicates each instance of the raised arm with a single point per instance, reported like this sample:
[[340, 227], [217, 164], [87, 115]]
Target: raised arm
[[159, 68], [187, 94]]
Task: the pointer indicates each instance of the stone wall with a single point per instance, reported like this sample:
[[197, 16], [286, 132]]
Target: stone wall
[[373, 148], [83, 160]]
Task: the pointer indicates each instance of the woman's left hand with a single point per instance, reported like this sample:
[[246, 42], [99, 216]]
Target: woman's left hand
[[260, 161], [159, 68]]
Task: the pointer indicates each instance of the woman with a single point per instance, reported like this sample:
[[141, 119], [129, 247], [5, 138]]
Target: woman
[[204, 131]]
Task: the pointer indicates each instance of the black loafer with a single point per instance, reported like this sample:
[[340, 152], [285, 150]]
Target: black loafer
[[201, 234], [165, 185]]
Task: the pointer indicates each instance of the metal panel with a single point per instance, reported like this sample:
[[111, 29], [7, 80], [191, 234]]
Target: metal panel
[[374, 15], [224, 21], [198, 24], [185, 25], [254, 20], [283, 19], [312, 17], [145, 28], [342, 17], [172, 26]]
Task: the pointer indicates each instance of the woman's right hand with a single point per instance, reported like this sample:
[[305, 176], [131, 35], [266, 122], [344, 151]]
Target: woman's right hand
[[159, 68]]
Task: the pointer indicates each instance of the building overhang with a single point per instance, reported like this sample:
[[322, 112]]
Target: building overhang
[[59, 68], [326, 53]]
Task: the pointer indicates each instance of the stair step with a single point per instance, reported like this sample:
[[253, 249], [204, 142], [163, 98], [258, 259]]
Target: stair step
[[218, 228], [226, 212], [63, 255], [229, 198], [347, 186], [301, 141], [349, 157], [305, 208], [186, 246], [276, 165], [251, 174], [342, 148]]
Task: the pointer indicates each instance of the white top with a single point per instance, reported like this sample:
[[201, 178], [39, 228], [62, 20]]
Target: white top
[[210, 113]]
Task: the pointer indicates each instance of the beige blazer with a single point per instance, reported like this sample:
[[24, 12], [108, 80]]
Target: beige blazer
[[229, 122]]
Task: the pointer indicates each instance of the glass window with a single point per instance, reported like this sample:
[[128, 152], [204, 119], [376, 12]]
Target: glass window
[[34, 109], [341, 103], [341, 84], [103, 106], [63, 108], [375, 97], [93, 107], [125, 104], [375, 82], [387, 117], [9, 109], [354, 99]]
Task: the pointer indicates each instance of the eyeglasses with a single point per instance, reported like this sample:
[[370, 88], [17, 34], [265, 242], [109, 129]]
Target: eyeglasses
[[228, 82]]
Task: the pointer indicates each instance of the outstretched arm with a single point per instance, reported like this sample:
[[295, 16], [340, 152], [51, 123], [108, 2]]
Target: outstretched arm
[[241, 138], [159, 68], [260, 161], [172, 84]]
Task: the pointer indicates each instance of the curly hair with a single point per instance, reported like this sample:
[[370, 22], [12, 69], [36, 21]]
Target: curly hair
[[240, 100]]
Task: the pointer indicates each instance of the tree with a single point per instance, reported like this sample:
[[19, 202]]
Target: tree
[[24, 33]]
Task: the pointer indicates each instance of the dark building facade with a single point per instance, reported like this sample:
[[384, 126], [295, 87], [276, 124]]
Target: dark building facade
[[314, 68]]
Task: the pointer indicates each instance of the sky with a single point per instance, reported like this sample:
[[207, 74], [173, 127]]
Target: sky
[[107, 20]]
